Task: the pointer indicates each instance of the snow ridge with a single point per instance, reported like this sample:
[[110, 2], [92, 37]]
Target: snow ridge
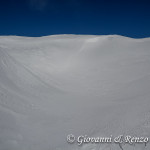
[[57, 85]]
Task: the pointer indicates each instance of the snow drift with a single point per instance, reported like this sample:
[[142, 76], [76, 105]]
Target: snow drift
[[57, 85]]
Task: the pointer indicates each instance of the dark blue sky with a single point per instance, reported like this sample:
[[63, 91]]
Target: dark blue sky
[[46, 17]]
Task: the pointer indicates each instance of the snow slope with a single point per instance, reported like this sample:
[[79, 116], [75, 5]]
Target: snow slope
[[57, 85]]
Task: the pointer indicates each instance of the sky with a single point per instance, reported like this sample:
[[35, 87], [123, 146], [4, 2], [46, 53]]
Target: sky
[[97, 17]]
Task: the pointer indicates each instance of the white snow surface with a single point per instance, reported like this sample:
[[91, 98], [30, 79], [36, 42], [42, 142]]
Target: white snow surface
[[57, 85]]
